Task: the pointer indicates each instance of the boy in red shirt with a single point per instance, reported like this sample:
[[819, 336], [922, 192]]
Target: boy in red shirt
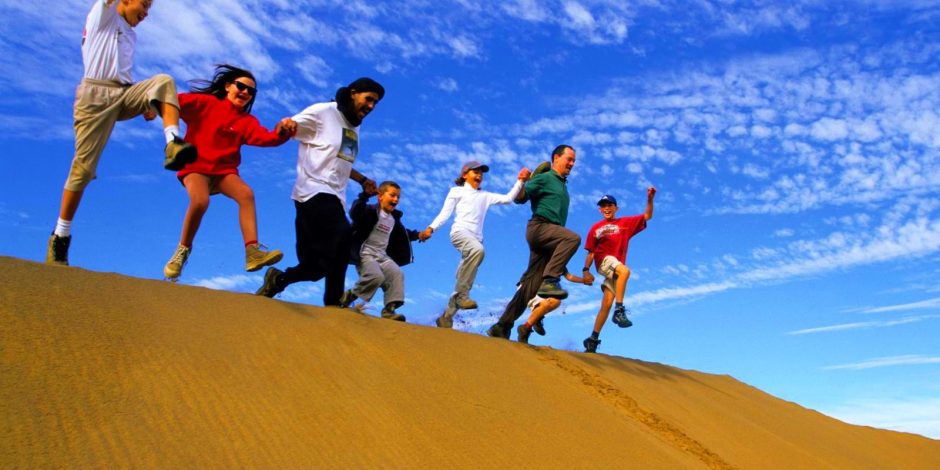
[[607, 243]]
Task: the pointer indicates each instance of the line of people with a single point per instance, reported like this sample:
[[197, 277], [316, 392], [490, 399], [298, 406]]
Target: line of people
[[217, 113]]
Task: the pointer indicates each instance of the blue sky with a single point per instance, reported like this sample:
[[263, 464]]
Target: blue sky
[[796, 240]]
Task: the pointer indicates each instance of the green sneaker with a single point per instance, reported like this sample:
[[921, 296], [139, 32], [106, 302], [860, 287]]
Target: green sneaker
[[271, 286], [179, 153], [174, 267], [550, 288], [256, 257], [523, 333], [57, 252]]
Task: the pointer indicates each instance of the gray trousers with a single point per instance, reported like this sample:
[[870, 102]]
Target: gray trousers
[[471, 255], [380, 272], [551, 246]]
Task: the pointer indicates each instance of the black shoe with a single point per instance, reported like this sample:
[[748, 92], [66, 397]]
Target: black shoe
[[347, 299], [620, 317], [57, 251], [178, 154], [497, 331], [271, 286], [523, 332], [539, 327], [550, 288], [591, 344]]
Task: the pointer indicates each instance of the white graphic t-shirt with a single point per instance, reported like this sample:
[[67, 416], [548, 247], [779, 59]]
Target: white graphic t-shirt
[[328, 148], [377, 242]]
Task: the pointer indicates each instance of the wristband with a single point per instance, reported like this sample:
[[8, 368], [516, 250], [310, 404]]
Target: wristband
[[585, 270]]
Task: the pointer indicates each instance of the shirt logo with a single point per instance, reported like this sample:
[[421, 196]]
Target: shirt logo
[[605, 230], [349, 147]]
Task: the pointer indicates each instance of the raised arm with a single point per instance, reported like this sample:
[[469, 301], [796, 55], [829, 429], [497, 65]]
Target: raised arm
[[514, 192], [650, 194]]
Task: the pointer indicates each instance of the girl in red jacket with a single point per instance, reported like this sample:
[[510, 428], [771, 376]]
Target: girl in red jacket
[[218, 123]]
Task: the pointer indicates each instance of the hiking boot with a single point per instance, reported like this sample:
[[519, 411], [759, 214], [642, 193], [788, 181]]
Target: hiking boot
[[179, 153], [497, 331], [620, 317], [550, 288], [465, 303], [256, 258], [542, 168], [591, 344], [539, 327], [392, 314], [347, 299], [174, 267], [444, 321], [271, 286], [58, 250], [523, 333]]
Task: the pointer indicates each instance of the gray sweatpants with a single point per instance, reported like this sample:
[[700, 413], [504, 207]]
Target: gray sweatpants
[[375, 272], [471, 255]]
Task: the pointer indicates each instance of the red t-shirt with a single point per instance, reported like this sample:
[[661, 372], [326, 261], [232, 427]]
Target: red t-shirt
[[611, 238], [218, 130]]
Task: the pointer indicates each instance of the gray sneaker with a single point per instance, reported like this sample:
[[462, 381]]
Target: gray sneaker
[[174, 267], [256, 257], [57, 251], [390, 314], [591, 344], [271, 286], [465, 303], [550, 288], [444, 321], [620, 317], [179, 153]]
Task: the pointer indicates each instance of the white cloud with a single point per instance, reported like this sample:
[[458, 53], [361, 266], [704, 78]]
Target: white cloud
[[235, 282], [315, 70], [864, 325], [906, 360], [916, 415], [923, 304]]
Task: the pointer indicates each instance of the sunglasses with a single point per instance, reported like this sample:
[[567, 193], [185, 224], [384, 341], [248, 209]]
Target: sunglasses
[[242, 87]]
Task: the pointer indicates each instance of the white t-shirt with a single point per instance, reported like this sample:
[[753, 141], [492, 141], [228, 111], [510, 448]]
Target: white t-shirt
[[108, 44], [374, 246], [470, 206], [327, 151]]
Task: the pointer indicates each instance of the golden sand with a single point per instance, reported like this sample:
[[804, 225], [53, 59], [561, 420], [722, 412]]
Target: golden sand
[[102, 370]]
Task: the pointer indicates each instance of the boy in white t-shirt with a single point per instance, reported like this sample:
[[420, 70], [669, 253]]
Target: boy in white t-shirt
[[108, 94], [381, 245]]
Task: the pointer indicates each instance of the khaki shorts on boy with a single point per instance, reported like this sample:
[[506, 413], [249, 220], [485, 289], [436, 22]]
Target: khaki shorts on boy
[[99, 104], [608, 269]]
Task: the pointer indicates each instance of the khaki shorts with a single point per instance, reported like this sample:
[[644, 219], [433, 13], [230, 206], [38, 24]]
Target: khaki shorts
[[608, 269], [98, 106]]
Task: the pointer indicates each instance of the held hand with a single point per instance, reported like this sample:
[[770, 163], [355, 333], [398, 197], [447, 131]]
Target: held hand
[[424, 235], [286, 127], [150, 115], [588, 279], [369, 187], [525, 174], [650, 192]]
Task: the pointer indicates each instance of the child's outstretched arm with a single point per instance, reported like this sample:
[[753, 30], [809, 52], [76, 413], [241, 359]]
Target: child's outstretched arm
[[450, 202], [650, 194], [588, 277]]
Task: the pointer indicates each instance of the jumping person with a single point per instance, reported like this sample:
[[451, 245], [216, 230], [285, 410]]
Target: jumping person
[[542, 306], [218, 121], [107, 94], [381, 246], [328, 134], [470, 203], [551, 245], [606, 243]]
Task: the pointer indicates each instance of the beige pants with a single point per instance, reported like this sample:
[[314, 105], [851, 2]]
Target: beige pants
[[608, 269], [98, 106]]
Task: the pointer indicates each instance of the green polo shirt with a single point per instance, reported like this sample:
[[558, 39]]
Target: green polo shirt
[[549, 195]]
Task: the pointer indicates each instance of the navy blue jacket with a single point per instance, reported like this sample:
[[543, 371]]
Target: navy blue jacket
[[364, 217]]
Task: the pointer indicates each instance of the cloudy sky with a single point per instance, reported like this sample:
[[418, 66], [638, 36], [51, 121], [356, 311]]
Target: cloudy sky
[[796, 239]]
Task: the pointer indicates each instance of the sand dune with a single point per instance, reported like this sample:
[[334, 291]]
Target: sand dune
[[101, 370]]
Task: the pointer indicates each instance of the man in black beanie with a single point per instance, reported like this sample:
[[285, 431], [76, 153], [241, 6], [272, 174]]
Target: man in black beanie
[[328, 134]]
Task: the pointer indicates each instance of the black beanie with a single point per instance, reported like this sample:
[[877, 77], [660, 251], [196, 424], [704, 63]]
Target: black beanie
[[367, 84]]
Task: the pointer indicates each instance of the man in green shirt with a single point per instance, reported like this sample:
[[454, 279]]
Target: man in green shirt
[[551, 245]]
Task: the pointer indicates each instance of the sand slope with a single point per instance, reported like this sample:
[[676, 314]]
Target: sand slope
[[101, 370]]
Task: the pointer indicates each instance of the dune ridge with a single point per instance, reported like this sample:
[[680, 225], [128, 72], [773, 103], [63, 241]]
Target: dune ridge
[[102, 370]]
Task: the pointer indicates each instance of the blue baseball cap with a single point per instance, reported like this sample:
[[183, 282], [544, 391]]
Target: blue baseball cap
[[607, 199]]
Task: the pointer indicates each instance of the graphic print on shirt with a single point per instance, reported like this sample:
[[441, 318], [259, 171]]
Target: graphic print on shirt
[[605, 230], [349, 148]]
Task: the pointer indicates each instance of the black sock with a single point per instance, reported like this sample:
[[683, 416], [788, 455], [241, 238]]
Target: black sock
[[619, 304], [595, 335]]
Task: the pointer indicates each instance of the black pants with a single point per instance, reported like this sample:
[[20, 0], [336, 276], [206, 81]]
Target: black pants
[[551, 246], [323, 238]]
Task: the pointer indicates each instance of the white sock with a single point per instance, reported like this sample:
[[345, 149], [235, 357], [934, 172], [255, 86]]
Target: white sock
[[63, 228], [170, 132]]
